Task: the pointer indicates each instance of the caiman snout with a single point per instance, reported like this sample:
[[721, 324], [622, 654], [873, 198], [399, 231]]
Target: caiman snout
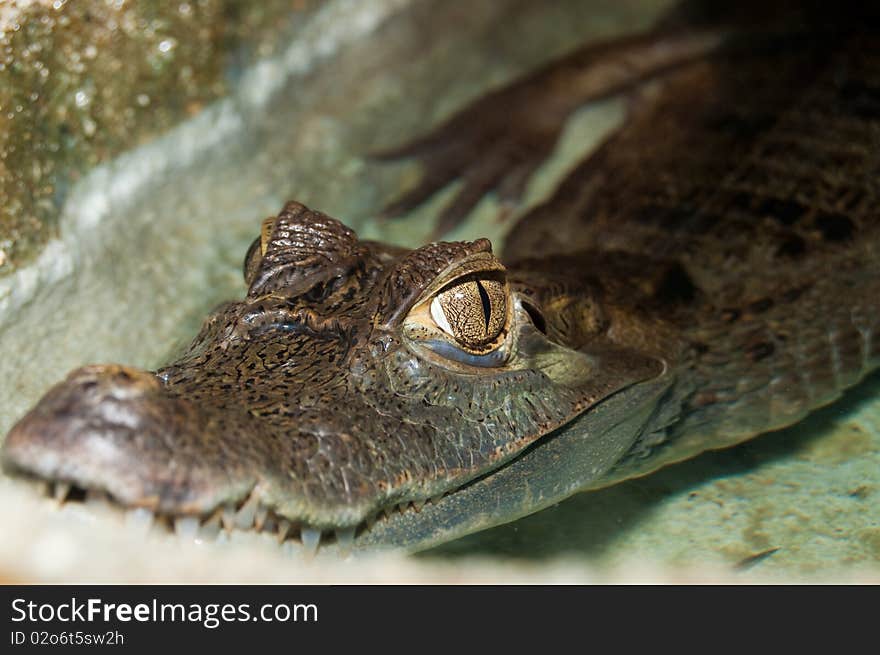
[[82, 422], [115, 429]]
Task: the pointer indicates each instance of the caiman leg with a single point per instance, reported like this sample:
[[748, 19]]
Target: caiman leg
[[498, 142]]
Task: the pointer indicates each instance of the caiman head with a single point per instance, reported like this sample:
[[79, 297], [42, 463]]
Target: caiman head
[[354, 377]]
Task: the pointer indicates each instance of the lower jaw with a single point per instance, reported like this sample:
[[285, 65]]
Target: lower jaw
[[575, 457]]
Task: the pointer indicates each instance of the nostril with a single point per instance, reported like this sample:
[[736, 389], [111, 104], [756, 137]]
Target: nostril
[[99, 382]]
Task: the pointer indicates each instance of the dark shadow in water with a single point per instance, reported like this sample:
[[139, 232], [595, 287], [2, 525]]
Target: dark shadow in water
[[587, 523]]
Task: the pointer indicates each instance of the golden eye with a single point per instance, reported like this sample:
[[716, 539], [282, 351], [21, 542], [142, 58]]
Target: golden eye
[[473, 312]]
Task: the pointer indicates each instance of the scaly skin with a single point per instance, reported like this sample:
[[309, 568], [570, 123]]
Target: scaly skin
[[709, 273], [311, 398]]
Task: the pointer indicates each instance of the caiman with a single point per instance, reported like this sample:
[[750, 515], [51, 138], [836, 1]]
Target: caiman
[[709, 273]]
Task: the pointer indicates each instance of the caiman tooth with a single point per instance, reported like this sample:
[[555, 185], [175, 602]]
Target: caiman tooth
[[244, 519], [165, 522], [283, 530], [210, 528], [228, 516], [311, 539], [387, 511], [345, 540], [139, 519], [418, 505], [96, 498], [437, 498], [62, 491], [402, 507], [186, 527], [260, 516]]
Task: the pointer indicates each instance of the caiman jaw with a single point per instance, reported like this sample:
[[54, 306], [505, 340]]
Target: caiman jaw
[[409, 525], [79, 439], [75, 442]]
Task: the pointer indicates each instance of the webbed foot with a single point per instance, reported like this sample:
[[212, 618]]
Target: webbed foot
[[498, 142]]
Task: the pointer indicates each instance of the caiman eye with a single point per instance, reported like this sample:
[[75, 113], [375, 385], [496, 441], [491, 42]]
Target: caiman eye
[[467, 320], [473, 312]]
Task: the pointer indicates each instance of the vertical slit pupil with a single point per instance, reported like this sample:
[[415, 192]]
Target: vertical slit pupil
[[487, 305]]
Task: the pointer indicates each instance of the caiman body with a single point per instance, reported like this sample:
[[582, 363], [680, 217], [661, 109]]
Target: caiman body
[[709, 273]]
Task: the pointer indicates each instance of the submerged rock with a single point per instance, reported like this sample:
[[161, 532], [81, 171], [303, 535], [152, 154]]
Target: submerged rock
[[80, 82]]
